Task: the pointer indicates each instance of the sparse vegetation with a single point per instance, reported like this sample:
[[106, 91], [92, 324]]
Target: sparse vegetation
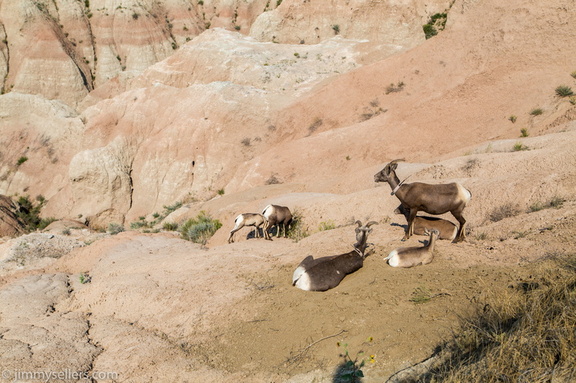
[[519, 147], [297, 230], [220, 191], [395, 88], [115, 228], [246, 141], [554, 203], [536, 111], [326, 225], [504, 211], [200, 229], [21, 160], [350, 370], [525, 335], [436, 23], [315, 124], [29, 213], [512, 118], [564, 91], [170, 226], [420, 295], [273, 180], [523, 132], [336, 29], [85, 278]]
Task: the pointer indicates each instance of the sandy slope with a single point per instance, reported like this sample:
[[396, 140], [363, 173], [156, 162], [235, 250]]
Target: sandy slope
[[159, 308]]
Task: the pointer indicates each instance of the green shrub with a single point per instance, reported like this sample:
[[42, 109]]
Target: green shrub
[[519, 147], [29, 213], [21, 160], [326, 225], [512, 118], [297, 229], [536, 111], [564, 91], [170, 226], [200, 229], [115, 228], [523, 132]]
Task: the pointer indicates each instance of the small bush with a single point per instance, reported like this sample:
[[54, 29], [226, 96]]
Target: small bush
[[29, 213], [115, 228], [512, 118], [326, 225], [200, 229], [297, 229], [170, 226], [505, 211], [554, 203], [21, 160], [519, 147], [336, 29], [523, 132], [564, 91], [536, 111], [273, 180]]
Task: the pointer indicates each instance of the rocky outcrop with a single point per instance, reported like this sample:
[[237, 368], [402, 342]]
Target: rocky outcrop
[[10, 224]]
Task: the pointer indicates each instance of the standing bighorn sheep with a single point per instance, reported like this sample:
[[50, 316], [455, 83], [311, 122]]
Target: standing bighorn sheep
[[325, 273], [247, 219], [432, 199], [422, 224], [275, 215], [414, 256]]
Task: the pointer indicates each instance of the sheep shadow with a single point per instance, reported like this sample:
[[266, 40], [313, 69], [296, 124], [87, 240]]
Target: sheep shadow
[[252, 234], [344, 373]]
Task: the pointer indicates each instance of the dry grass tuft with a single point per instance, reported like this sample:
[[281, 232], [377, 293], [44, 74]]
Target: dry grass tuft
[[528, 335]]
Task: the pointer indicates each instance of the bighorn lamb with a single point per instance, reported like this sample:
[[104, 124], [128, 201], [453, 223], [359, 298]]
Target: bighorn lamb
[[325, 273], [247, 219], [275, 215], [432, 199], [422, 224], [413, 256]]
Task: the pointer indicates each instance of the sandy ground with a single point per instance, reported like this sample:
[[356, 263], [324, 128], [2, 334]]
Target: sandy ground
[[153, 307]]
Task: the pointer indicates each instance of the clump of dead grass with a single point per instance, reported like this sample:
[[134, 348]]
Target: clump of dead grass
[[527, 335], [506, 210]]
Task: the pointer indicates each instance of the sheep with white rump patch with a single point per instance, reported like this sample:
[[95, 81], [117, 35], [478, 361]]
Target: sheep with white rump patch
[[413, 256], [324, 273], [247, 219], [275, 215], [432, 199]]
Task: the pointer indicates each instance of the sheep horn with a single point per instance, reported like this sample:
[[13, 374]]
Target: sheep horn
[[371, 223]]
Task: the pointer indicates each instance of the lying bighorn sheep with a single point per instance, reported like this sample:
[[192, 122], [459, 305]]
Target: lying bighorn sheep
[[247, 219], [432, 199], [325, 273], [276, 215], [446, 228], [413, 256]]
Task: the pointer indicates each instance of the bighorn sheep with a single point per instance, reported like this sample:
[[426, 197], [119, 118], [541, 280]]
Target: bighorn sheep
[[325, 273], [446, 228], [275, 215], [413, 256], [432, 199], [247, 219]]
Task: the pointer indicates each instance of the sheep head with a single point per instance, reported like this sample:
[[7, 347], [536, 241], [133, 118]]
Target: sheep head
[[387, 173], [362, 235]]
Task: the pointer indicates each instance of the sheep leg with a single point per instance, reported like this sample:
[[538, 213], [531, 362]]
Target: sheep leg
[[461, 235], [266, 228], [231, 237], [410, 228]]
